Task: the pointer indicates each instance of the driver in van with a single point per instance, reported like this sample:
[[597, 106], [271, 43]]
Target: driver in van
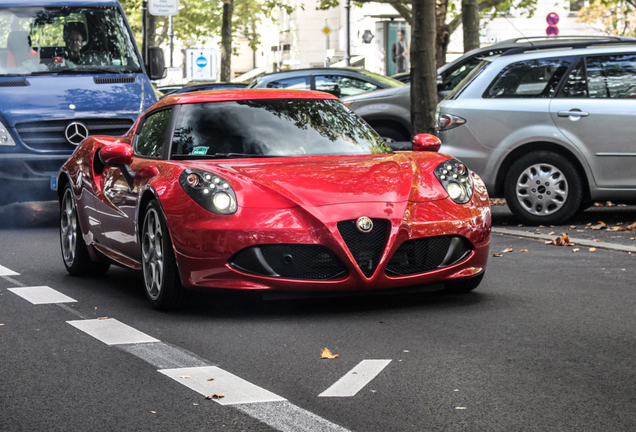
[[74, 41]]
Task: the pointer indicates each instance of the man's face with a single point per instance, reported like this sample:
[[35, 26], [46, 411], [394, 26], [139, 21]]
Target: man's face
[[74, 41], [401, 36]]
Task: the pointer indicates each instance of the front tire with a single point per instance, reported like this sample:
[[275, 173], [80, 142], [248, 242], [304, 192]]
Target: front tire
[[75, 254], [543, 188], [161, 276]]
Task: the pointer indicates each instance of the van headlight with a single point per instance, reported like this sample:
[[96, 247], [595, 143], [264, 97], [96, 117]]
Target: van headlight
[[456, 179], [209, 190], [5, 136]]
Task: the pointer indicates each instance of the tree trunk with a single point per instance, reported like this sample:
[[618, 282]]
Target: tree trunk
[[423, 70], [443, 34], [226, 41], [470, 23]]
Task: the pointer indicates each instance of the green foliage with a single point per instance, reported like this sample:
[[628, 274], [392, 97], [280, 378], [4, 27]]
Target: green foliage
[[618, 17], [200, 18]]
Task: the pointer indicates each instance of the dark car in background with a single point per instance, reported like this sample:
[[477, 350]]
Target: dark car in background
[[339, 82], [389, 111]]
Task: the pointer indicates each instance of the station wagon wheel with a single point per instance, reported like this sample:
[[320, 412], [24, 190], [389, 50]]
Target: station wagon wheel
[[389, 134], [543, 188], [74, 251], [161, 277]]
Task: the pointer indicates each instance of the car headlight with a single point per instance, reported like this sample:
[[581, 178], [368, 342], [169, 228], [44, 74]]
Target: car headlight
[[5, 137], [456, 179], [209, 190]]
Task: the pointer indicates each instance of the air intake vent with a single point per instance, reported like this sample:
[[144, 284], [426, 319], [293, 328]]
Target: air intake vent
[[428, 253], [14, 83], [366, 248], [115, 80]]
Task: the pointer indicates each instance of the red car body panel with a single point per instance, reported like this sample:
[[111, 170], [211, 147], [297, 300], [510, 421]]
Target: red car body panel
[[286, 200]]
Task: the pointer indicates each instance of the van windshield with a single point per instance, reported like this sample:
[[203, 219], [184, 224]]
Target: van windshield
[[56, 40]]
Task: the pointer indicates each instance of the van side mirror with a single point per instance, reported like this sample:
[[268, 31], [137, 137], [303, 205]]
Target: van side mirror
[[156, 66], [426, 142]]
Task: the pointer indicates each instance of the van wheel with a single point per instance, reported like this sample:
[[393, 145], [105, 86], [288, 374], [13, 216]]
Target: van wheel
[[389, 134], [543, 188]]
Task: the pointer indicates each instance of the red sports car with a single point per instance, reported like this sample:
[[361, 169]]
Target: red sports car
[[270, 190]]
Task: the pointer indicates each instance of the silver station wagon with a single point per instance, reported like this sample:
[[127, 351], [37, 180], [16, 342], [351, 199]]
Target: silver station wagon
[[551, 131]]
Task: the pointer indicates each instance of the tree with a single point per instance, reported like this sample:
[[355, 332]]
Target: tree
[[423, 68], [201, 18], [470, 24], [618, 17]]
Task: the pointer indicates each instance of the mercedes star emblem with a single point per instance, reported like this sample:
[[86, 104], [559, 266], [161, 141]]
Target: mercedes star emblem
[[364, 224], [75, 133]]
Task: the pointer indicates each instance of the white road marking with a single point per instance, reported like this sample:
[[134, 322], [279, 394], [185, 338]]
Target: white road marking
[[111, 332], [165, 356], [235, 390], [287, 417], [42, 295], [356, 379], [6, 272]]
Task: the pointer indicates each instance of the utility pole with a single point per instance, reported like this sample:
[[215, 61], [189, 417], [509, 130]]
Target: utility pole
[[347, 33], [171, 34], [144, 32]]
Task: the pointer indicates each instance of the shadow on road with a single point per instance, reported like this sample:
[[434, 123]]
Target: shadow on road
[[41, 214]]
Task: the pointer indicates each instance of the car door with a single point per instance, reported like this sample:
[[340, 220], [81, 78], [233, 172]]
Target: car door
[[596, 111], [121, 194]]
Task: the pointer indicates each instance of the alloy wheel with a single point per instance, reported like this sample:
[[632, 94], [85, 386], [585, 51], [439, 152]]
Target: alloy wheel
[[152, 253], [68, 225]]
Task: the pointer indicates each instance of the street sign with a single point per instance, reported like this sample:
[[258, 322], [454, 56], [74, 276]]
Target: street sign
[[163, 7], [201, 64], [552, 18], [552, 30], [326, 30]]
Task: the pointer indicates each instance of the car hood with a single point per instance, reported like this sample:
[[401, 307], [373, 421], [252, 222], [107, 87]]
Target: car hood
[[327, 180], [377, 94], [58, 93]]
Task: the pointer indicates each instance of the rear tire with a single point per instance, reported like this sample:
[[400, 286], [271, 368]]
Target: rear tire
[[543, 188], [390, 134], [464, 285], [161, 275], [75, 254]]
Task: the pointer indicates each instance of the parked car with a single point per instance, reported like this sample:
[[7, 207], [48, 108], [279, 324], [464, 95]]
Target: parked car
[[270, 190], [389, 111], [551, 131], [205, 86], [337, 81], [67, 69]]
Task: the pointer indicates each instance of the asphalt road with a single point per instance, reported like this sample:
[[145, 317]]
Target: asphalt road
[[545, 343]]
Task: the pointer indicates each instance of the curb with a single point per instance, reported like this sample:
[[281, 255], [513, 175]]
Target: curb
[[577, 241]]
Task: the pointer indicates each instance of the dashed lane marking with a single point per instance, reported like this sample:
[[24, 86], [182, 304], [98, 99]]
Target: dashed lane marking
[[356, 379], [42, 295], [287, 417], [6, 272], [111, 332], [211, 380]]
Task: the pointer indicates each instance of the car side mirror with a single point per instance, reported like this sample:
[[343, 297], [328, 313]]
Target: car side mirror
[[117, 154], [426, 142], [156, 66]]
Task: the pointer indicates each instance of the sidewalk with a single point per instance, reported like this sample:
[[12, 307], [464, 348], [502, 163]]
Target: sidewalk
[[585, 229]]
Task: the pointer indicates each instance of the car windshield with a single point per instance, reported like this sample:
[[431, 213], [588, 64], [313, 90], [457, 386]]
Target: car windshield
[[58, 40], [272, 128], [474, 73]]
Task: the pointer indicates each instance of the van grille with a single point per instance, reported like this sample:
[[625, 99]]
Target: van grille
[[49, 135], [14, 83]]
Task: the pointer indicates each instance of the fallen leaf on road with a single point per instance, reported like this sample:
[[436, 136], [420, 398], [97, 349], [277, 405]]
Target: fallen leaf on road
[[552, 233], [572, 226], [460, 408], [592, 249], [326, 354], [508, 249], [575, 250], [215, 396], [564, 240], [210, 379], [523, 250], [497, 255], [600, 225], [185, 376], [537, 232], [154, 412], [102, 318]]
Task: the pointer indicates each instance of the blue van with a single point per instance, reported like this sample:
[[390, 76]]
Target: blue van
[[68, 69]]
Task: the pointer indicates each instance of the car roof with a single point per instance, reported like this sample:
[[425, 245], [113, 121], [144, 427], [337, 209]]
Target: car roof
[[510, 57], [240, 95]]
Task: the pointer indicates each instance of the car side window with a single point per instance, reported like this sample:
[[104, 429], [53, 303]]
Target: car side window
[[611, 76], [340, 86], [298, 83], [152, 137], [529, 79], [575, 84]]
